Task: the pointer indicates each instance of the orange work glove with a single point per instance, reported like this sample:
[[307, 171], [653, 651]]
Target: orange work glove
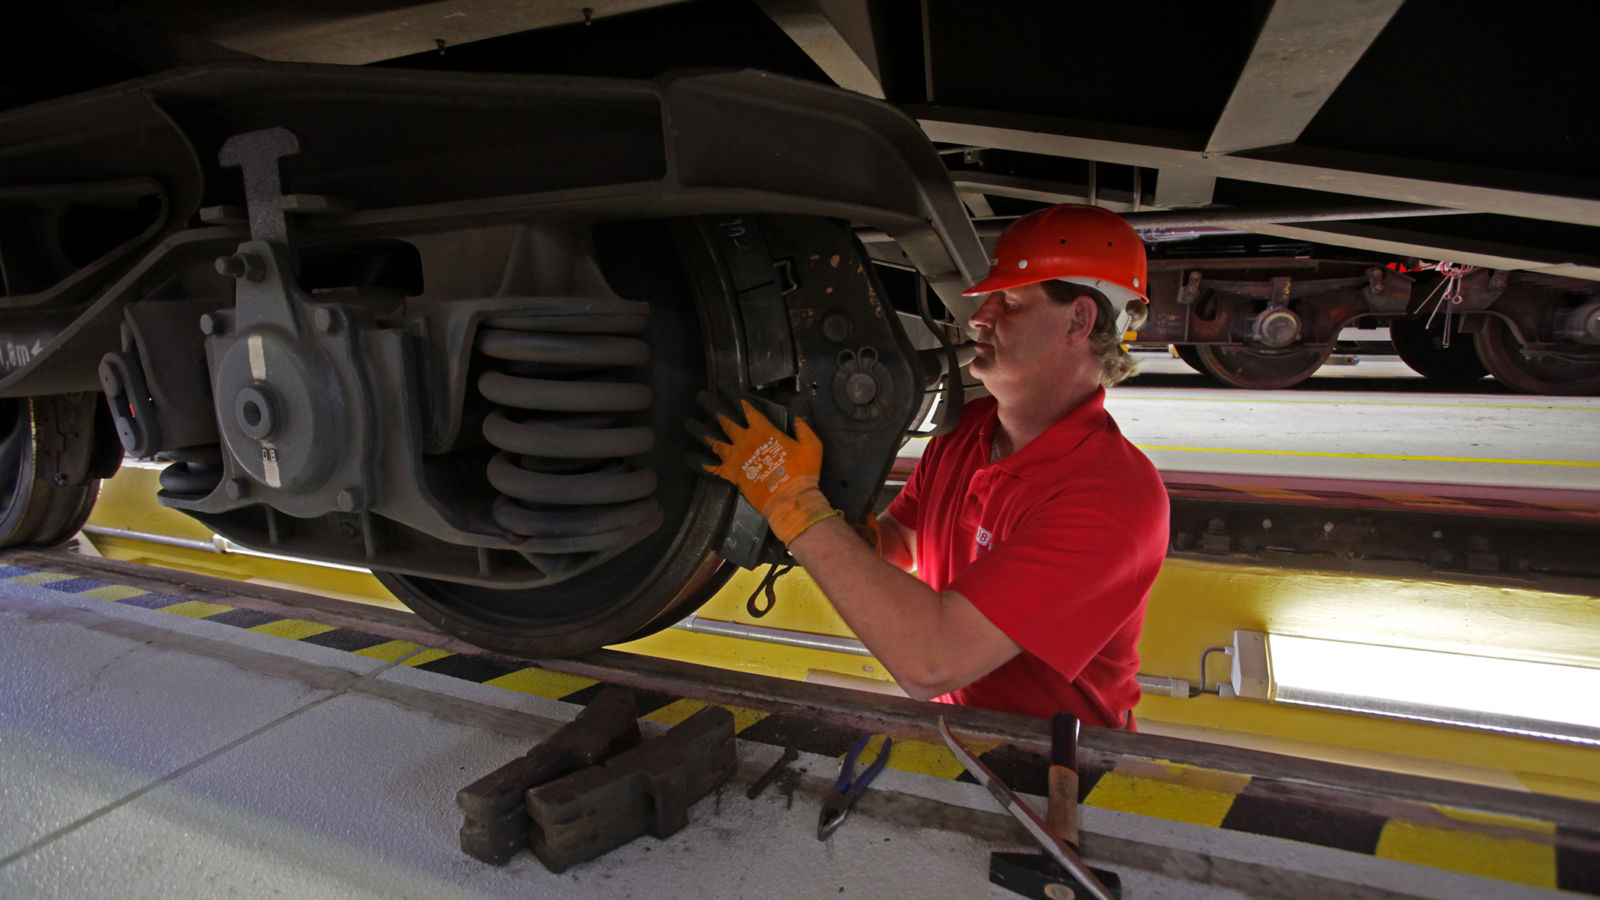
[[776, 473]]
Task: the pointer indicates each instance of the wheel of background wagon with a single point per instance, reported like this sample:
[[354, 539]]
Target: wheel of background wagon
[[694, 340], [1190, 354], [39, 437], [1508, 361], [1262, 370], [1422, 348]]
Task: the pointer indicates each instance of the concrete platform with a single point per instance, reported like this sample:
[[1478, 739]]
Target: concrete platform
[[1371, 421], [150, 751]]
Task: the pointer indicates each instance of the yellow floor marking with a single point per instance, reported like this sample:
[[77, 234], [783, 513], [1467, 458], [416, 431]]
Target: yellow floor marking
[[1508, 859], [678, 710], [196, 609], [542, 682], [114, 592], [926, 758], [1163, 800], [293, 629], [1399, 456], [42, 578], [389, 651], [427, 656], [1189, 776], [1168, 790], [1535, 826]]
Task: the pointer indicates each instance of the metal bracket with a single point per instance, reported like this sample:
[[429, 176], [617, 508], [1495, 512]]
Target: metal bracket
[[1282, 286], [256, 155], [1387, 290], [1190, 291]]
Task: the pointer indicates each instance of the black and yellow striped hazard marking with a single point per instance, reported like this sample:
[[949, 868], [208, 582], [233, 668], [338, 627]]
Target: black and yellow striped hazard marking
[[1508, 848]]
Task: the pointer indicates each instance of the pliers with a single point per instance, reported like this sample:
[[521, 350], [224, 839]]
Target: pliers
[[837, 806]]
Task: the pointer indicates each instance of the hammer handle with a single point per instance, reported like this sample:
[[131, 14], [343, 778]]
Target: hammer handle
[[1061, 816]]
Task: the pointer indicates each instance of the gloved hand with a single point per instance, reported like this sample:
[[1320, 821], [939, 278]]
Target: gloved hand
[[776, 473]]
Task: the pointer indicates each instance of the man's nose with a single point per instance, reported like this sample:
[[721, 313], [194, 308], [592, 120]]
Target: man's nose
[[984, 316]]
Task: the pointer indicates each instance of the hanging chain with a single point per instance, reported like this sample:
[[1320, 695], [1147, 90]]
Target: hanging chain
[[1451, 296]]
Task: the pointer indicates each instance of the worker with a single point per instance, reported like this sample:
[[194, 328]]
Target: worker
[[1035, 529]]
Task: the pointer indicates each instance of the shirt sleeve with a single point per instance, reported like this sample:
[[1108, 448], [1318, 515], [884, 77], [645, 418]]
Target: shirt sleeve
[[1062, 584]]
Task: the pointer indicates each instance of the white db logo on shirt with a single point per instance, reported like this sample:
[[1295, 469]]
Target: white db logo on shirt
[[984, 537]]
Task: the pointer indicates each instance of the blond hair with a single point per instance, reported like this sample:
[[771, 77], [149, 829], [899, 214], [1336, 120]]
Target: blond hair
[[1116, 364]]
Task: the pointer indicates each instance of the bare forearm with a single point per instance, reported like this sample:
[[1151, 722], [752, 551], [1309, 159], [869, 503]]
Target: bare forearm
[[900, 619], [931, 642]]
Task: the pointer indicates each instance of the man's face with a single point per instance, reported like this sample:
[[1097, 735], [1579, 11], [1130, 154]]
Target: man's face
[[1023, 336]]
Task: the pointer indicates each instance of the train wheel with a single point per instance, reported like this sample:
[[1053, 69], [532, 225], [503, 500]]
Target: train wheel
[[38, 438], [693, 341], [1506, 359], [1190, 354], [1262, 370], [1423, 349], [636, 597]]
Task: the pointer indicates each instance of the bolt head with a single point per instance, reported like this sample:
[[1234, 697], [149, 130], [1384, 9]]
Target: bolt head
[[861, 388], [231, 266], [238, 488], [241, 265], [350, 500], [324, 319], [210, 324]]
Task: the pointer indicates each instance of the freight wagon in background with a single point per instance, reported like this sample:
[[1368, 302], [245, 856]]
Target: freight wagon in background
[[429, 290]]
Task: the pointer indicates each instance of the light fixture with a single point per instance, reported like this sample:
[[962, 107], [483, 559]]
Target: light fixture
[[1517, 696]]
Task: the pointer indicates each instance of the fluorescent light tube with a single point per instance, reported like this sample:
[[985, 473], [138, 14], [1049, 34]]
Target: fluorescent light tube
[[1533, 698]]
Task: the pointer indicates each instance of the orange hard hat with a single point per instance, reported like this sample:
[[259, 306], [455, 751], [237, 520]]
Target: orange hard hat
[[1084, 245]]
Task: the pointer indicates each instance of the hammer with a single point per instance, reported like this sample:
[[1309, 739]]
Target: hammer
[[1035, 874]]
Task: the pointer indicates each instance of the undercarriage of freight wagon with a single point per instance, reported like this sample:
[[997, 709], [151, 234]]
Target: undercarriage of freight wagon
[[439, 310], [479, 392]]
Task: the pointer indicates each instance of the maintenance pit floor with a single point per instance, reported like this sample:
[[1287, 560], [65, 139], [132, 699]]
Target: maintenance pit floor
[[147, 753]]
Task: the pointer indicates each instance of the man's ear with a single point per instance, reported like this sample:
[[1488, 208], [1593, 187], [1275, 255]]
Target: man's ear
[[1080, 322]]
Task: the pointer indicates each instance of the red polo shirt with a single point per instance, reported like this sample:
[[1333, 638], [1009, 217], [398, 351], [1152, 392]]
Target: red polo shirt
[[1057, 545]]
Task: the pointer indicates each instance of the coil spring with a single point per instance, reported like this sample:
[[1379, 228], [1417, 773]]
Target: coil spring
[[195, 472], [561, 471]]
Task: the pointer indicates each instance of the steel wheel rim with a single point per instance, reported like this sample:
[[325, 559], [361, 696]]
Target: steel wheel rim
[[1262, 370], [649, 585], [1503, 356]]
